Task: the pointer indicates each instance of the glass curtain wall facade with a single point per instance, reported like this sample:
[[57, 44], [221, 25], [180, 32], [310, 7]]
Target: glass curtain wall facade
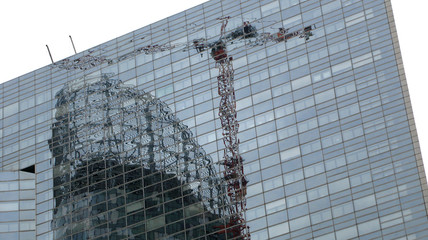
[[123, 141]]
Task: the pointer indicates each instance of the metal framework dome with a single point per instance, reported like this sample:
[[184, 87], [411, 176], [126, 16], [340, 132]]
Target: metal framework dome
[[112, 141]]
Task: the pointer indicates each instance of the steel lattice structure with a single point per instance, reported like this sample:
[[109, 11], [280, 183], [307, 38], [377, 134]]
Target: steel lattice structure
[[236, 183], [233, 163], [123, 141], [92, 59]]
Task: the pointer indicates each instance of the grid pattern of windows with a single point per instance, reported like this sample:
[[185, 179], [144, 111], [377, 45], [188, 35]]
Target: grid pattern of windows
[[126, 140], [124, 165], [17, 205]]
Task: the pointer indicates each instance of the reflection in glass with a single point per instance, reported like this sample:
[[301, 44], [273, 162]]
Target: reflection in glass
[[126, 167]]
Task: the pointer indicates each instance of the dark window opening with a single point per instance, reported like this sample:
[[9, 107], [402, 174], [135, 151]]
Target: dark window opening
[[29, 169]]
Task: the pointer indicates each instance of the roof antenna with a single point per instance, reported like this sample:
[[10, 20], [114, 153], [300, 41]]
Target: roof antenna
[[50, 55], [71, 39]]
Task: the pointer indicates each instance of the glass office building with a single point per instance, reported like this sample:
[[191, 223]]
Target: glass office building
[[123, 141]]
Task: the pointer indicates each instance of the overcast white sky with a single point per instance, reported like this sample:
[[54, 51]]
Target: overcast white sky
[[26, 26]]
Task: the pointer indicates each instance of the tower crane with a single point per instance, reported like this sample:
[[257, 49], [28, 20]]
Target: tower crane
[[247, 31], [232, 161]]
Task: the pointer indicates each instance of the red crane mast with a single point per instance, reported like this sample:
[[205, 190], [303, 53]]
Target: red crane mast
[[232, 161]]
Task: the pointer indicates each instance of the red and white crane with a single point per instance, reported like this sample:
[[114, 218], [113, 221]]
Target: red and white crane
[[232, 160]]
